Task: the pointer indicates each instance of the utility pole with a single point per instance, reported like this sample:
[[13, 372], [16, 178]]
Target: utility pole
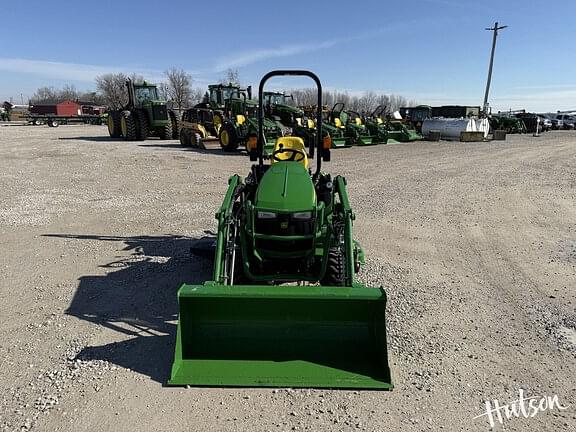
[[495, 30]]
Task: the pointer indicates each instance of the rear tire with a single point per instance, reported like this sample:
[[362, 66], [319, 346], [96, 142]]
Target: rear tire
[[128, 125], [335, 272], [114, 124]]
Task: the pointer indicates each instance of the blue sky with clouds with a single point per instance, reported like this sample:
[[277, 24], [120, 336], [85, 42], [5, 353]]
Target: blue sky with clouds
[[432, 51]]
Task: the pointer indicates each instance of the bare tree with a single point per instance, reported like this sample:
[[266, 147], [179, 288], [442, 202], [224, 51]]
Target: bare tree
[[113, 89], [45, 95], [179, 87], [231, 76]]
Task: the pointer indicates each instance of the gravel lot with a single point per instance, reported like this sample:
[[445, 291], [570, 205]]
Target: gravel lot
[[474, 242]]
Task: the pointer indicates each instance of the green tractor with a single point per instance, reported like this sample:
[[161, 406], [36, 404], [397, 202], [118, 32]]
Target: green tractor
[[216, 100], [337, 134], [354, 126], [376, 124], [143, 116], [278, 109], [284, 307], [242, 124]]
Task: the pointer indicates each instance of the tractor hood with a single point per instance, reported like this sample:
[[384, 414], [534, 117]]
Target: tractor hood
[[286, 187]]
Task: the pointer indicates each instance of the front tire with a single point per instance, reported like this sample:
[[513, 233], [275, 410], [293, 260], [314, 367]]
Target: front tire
[[175, 119], [228, 139], [114, 124], [143, 129], [128, 125], [335, 271]]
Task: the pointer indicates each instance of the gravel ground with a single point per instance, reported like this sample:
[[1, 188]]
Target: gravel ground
[[475, 244]]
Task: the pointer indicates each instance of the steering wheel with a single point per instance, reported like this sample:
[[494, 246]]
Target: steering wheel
[[294, 155]]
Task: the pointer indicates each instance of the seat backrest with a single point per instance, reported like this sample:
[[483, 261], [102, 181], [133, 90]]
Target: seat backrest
[[311, 124], [240, 119], [289, 142], [338, 122], [358, 121], [379, 120]]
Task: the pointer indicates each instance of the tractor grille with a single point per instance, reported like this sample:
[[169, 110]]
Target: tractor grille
[[159, 112], [284, 226], [284, 246]]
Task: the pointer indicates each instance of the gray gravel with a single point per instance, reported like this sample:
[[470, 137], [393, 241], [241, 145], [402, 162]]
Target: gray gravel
[[475, 244]]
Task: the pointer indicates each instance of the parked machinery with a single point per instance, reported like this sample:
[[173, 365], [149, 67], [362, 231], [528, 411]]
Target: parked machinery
[[145, 115], [353, 125], [283, 307]]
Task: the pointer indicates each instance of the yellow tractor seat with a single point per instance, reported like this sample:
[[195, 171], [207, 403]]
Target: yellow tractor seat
[[311, 124], [379, 120], [338, 123], [358, 121], [292, 143], [240, 119]]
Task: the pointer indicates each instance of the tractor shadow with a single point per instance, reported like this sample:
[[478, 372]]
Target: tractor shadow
[[89, 138], [215, 151], [137, 298]]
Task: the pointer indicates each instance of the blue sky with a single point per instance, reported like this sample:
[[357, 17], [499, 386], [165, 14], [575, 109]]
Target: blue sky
[[432, 51]]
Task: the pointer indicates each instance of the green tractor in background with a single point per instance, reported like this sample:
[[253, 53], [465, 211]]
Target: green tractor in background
[[143, 116], [242, 123], [284, 307], [277, 108], [354, 127], [337, 135], [376, 124], [215, 101]]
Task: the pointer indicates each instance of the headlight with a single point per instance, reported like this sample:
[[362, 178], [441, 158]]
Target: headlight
[[266, 215], [302, 215]]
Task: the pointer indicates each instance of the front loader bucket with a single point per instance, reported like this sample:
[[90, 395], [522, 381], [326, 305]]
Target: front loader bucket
[[340, 142], [210, 143], [281, 336]]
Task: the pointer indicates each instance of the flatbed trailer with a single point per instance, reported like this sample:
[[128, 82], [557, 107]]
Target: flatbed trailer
[[53, 120]]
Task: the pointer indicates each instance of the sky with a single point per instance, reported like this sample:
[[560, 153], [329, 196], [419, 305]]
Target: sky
[[435, 52]]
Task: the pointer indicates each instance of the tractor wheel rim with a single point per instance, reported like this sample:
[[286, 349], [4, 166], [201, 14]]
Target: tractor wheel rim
[[123, 126], [111, 125], [225, 138]]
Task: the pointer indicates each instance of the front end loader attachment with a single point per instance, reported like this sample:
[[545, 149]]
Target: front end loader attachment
[[281, 336]]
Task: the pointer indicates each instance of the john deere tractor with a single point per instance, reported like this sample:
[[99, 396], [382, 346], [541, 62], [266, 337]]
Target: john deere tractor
[[202, 124], [337, 134], [242, 123], [354, 126], [283, 307], [376, 124], [144, 115], [278, 109]]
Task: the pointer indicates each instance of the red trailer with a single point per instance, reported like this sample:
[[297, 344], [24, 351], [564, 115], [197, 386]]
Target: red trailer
[[67, 108]]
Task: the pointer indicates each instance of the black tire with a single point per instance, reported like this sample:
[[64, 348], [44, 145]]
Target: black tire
[[175, 119], [53, 123], [335, 271], [128, 125], [143, 129], [114, 124], [166, 131], [228, 139], [185, 138]]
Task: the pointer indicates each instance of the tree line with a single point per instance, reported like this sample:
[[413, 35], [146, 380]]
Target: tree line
[[178, 89]]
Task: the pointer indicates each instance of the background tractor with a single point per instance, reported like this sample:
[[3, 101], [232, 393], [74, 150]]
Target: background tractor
[[284, 307], [215, 100], [144, 115], [242, 123], [278, 108], [353, 125]]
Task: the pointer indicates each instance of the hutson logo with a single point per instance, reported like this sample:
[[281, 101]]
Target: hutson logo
[[524, 406]]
